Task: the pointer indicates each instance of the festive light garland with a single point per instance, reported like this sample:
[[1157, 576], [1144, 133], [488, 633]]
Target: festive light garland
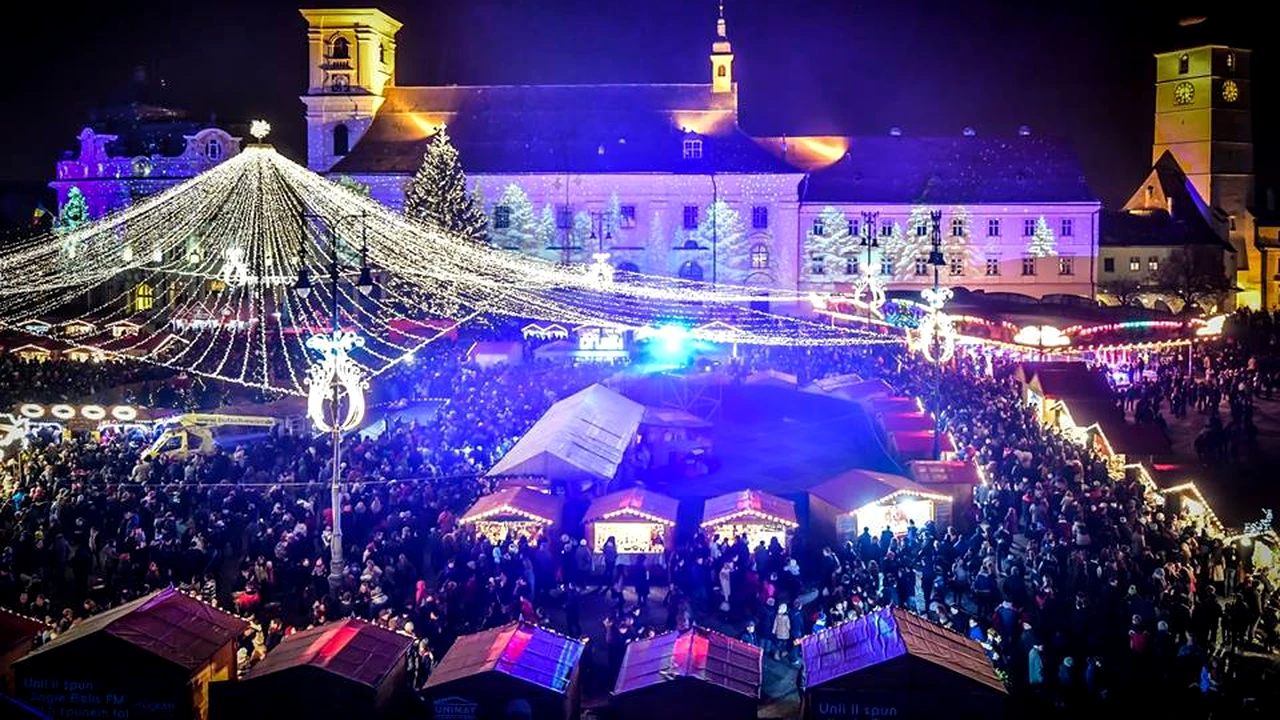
[[335, 376], [936, 334]]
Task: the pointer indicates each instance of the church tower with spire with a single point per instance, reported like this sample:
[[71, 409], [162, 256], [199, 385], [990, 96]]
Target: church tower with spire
[[721, 58]]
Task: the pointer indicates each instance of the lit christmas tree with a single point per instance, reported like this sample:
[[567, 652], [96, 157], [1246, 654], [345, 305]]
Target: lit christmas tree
[[520, 232], [957, 239], [721, 228], [74, 214], [545, 234], [826, 249], [657, 250], [1042, 243], [580, 238], [437, 194], [612, 219], [355, 186]]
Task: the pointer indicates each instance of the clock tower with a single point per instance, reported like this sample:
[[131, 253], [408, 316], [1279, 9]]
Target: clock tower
[[1203, 118]]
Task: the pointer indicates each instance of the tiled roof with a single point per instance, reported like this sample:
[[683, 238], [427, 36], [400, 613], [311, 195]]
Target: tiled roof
[[1166, 209], [632, 500], [755, 502], [858, 488], [351, 649], [888, 634], [699, 654], [520, 650], [946, 170], [173, 626], [561, 128], [523, 500]]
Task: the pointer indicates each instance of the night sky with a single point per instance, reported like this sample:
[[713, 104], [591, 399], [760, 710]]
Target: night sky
[[1077, 70]]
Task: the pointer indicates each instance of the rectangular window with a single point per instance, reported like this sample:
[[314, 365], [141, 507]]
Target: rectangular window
[[1028, 227], [855, 230], [1153, 263], [1028, 266], [852, 266], [993, 227], [759, 217], [922, 265], [956, 263], [690, 217], [819, 229], [957, 227], [564, 217], [1108, 265], [627, 217], [1135, 263], [501, 217], [993, 267], [1231, 221], [1068, 227], [692, 149], [922, 229], [886, 266], [1066, 265], [886, 230], [817, 264]]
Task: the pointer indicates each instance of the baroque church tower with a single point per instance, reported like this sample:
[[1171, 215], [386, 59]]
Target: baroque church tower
[[721, 58]]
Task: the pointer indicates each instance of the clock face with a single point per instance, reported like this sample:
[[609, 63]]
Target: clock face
[[1230, 91], [1183, 93]]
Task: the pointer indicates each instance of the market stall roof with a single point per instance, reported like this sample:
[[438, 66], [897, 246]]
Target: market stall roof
[[672, 417], [175, 627], [635, 502], [912, 421], [910, 444], [18, 630], [1135, 439], [492, 352], [520, 650], [351, 649], [516, 501], [1068, 380], [858, 488], [832, 383], [774, 378], [944, 472], [889, 405], [699, 654], [748, 503], [888, 634], [583, 436]]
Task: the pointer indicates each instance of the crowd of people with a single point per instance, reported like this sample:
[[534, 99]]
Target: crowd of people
[[1080, 586]]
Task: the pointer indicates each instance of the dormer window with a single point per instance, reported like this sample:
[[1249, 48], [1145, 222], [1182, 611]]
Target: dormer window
[[1184, 64], [692, 148], [341, 49], [213, 150]]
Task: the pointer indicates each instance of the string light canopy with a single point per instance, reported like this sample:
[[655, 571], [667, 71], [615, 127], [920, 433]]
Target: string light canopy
[[214, 261]]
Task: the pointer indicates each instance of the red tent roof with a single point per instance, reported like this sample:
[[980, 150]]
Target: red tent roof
[[912, 422], [18, 629], [889, 405], [913, 443], [748, 503], [891, 633], [175, 627], [351, 649], [700, 654], [630, 503], [855, 489], [521, 650], [516, 502]]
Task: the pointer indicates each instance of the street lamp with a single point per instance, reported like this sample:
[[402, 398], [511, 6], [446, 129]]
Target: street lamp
[[869, 242], [937, 261], [336, 374]]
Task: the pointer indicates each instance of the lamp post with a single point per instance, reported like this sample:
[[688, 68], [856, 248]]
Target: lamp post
[[869, 242], [937, 261], [334, 373]]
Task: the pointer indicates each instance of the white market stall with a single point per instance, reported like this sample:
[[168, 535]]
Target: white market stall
[[640, 521], [841, 507], [759, 516], [520, 512]]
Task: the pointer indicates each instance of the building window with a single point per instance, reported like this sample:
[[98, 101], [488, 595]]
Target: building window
[[692, 149], [993, 227], [1184, 64], [341, 49], [1066, 265], [852, 266], [1135, 263], [819, 229], [144, 297], [564, 217], [501, 217], [382, 53], [1028, 266], [922, 265], [957, 227], [691, 271], [1153, 264], [759, 217], [341, 140], [993, 267], [759, 257], [213, 150], [956, 263], [1108, 265], [1028, 228], [722, 71], [627, 217], [1068, 227], [817, 264], [886, 266], [922, 229], [855, 230], [690, 217], [886, 230], [1231, 222], [1231, 62]]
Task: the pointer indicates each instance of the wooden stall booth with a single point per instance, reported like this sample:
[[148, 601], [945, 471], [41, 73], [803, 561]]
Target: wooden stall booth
[[841, 507], [761, 517], [521, 512], [955, 478], [908, 445], [518, 670], [18, 634], [891, 663], [698, 674], [640, 521]]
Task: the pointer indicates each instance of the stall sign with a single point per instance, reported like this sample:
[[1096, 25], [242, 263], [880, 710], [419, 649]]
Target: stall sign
[[453, 708]]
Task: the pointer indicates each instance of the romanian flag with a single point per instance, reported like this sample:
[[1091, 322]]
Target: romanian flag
[[39, 214]]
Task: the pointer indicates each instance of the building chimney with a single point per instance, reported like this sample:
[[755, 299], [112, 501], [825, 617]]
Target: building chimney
[[1024, 131], [969, 131], [895, 131]]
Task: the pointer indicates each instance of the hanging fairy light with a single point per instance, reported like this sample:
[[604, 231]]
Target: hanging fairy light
[[336, 376], [868, 291], [936, 335], [234, 270]]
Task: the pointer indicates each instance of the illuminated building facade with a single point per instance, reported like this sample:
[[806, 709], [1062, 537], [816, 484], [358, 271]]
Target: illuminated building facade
[[633, 170]]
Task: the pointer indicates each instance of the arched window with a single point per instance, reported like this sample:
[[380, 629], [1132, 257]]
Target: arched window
[[341, 139], [722, 71], [1184, 64], [213, 150], [691, 271], [341, 49], [690, 245], [1231, 62], [382, 53], [144, 297], [759, 256]]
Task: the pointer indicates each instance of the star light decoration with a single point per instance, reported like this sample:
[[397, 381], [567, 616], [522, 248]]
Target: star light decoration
[[234, 270], [259, 129], [868, 292], [336, 371], [936, 328]]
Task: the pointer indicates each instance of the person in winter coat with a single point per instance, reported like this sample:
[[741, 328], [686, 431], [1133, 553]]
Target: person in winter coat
[[782, 632], [1035, 668]]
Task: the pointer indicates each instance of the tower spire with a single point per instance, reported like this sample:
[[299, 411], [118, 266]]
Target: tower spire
[[721, 31], [721, 56]]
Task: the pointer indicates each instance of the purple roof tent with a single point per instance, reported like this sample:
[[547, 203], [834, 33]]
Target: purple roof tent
[[486, 672], [892, 658], [706, 674]]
